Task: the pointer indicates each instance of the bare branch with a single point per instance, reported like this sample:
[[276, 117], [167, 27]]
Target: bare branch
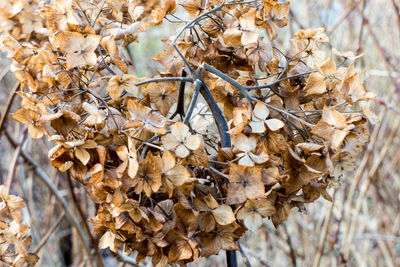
[[8, 106]]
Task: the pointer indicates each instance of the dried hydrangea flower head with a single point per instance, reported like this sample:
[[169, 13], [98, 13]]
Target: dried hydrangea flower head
[[259, 131]]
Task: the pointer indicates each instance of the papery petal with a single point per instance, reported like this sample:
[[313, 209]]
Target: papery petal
[[274, 124], [260, 112], [179, 130], [170, 141], [253, 221], [181, 151], [257, 126], [193, 142], [246, 161]]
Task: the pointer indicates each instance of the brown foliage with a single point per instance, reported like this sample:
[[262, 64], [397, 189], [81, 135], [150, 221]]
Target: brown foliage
[[176, 188]]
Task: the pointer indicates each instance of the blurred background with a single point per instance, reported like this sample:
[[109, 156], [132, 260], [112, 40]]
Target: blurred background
[[360, 228]]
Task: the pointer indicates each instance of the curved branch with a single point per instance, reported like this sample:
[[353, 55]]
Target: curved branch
[[249, 97], [218, 116], [228, 79], [197, 86], [158, 80], [166, 79]]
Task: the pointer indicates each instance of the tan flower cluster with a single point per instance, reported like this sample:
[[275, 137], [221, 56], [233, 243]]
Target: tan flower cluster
[[264, 138], [14, 238]]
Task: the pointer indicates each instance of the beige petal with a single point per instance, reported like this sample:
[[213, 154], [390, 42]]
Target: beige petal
[[249, 37], [122, 153], [274, 124], [168, 161], [223, 215], [178, 175], [333, 117], [170, 141], [265, 208], [316, 84], [90, 58], [121, 168], [259, 159], [232, 36], [244, 143], [182, 152], [108, 241], [36, 132], [132, 89], [246, 161], [260, 111], [179, 130], [257, 126], [328, 67], [253, 221], [193, 142], [133, 166], [338, 138], [66, 166], [22, 116], [82, 155]]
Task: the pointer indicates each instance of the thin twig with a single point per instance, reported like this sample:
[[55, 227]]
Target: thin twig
[[49, 232], [244, 256], [324, 233], [366, 185], [358, 175], [397, 12], [195, 21], [383, 55], [14, 161], [8, 106], [193, 102], [218, 172], [342, 18], [292, 252], [84, 220], [256, 256], [157, 80], [126, 259], [228, 79]]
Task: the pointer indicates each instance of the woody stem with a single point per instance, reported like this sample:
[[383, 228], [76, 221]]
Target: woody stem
[[217, 114], [180, 108], [197, 86]]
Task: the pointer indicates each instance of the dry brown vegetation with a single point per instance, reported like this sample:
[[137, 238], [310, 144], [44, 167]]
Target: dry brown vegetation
[[359, 227]]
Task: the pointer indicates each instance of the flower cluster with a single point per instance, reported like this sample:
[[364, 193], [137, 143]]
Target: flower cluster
[[267, 134], [14, 238]]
